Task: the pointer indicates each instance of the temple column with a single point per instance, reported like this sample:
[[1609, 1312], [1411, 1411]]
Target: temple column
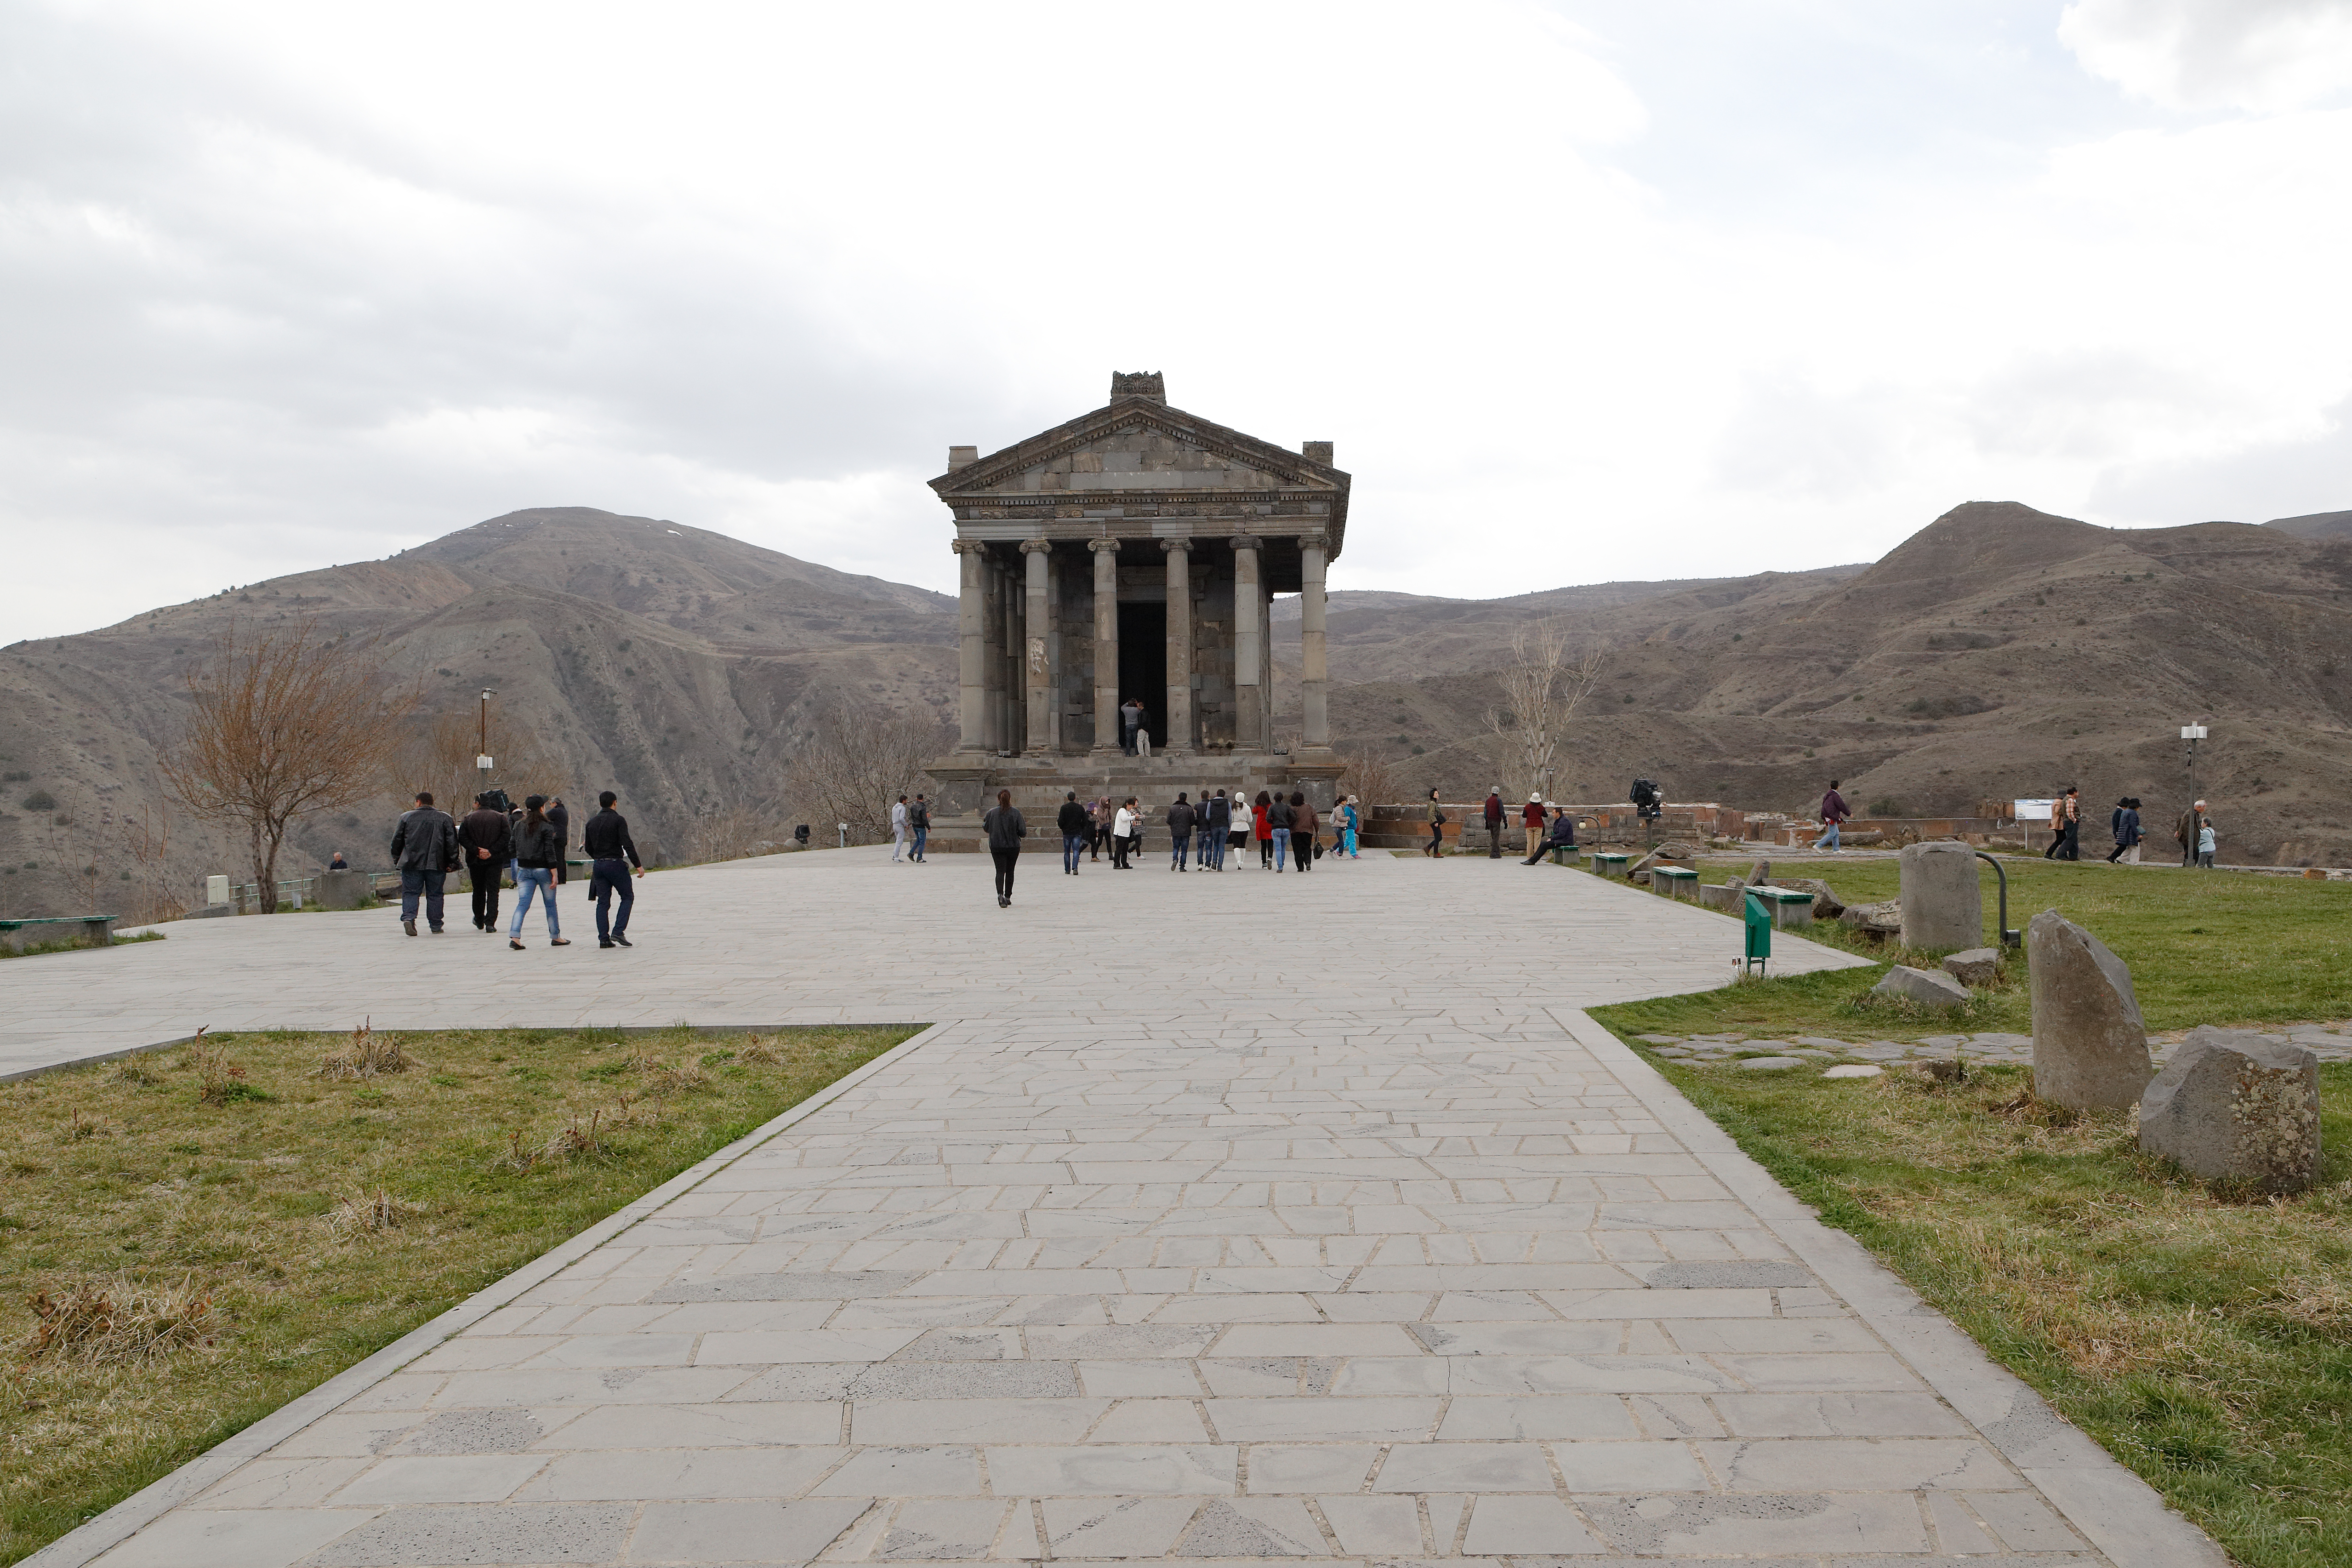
[[993, 654], [1106, 554], [1251, 697], [1180, 644], [972, 653], [1039, 672], [1314, 675]]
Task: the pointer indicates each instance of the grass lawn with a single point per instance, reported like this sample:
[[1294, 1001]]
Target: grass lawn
[[320, 1216], [2208, 1344]]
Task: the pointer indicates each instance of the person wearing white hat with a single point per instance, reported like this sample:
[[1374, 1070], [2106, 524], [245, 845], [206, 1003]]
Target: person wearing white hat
[[1531, 816]]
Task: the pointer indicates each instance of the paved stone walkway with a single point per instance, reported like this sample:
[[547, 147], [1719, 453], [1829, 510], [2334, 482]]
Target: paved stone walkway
[[1236, 1218]]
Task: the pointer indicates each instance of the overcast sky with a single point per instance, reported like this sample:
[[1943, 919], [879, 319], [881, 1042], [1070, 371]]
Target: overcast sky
[[1581, 291]]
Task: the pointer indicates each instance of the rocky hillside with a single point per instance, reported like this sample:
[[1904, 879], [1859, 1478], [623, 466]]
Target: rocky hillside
[[672, 662], [1999, 652]]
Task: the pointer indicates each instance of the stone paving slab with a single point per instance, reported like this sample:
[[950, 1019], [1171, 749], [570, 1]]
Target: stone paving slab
[[1221, 1220]]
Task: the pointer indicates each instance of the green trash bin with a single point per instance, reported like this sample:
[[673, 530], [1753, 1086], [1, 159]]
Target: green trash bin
[[1758, 923]]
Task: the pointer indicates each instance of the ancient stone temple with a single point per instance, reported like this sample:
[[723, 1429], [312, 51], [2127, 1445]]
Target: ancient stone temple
[[1131, 554]]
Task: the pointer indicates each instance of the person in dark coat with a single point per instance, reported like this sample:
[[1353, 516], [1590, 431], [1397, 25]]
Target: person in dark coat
[[538, 850], [1561, 836], [485, 843], [1494, 822], [339, 863], [1077, 824], [613, 861], [2124, 823], [1179, 831], [425, 849], [560, 815], [1005, 832]]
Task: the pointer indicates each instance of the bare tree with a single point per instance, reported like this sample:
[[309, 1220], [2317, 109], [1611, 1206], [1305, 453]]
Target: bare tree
[[287, 721], [147, 845], [1550, 674], [861, 757], [1366, 776], [734, 826]]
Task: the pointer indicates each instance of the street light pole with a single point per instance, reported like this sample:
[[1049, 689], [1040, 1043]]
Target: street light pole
[[482, 751], [2192, 734]]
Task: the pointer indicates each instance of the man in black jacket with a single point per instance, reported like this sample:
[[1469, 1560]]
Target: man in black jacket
[[487, 847], [425, 848], [613, 854], [1179, 831], [1076, 824]]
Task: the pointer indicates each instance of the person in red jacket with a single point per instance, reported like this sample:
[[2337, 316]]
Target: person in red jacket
[[1494, 822], [1532, 818]]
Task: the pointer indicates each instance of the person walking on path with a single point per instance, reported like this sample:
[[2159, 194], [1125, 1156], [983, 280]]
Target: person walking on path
[[898, 830], [1349, 819], [1437, 827], [1303, 827], [1532, 818], [2124, 823], [2207, 842], [560, 815], [425, 848], [539, 850], [1833, 812], [612, 861], [1180, 832], [1205, 831], [1494, 822], [1005, 832], [1218, 812], [1130, 725], [919, 817], [1262, 829], [486, 842], [2072, 800], [1122, 833], [1280, 817], [1240, 824], [2189, 829], [2058, 829], [1106, 812], [1076, 828]]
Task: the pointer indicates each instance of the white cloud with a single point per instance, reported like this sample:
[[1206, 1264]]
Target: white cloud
[[2258, 55]]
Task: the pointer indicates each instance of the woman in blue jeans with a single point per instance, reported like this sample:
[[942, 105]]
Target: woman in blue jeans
[[538, 851]]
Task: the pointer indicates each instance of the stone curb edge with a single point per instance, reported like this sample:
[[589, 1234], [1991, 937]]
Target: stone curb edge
[[2120, 1514], [142, 1507]]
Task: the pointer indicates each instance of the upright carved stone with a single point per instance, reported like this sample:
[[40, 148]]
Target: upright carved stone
[[1180, 644], [1106, 554], [2232, 1106], [1943, 907], [2090, 1046]]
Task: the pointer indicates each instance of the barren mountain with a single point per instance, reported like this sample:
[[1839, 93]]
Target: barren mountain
[[2000, 652], [675, 663]]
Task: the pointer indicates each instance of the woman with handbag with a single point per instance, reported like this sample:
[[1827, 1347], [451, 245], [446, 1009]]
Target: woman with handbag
[[1302, 844], [1436, 827]]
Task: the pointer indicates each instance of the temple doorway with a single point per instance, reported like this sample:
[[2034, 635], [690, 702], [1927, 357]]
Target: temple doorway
[[1143, 664]]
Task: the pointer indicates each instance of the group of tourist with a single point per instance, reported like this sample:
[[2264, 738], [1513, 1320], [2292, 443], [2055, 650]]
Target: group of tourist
[[1286, 828], [2193, 831], [1548, 826], [530, 844]]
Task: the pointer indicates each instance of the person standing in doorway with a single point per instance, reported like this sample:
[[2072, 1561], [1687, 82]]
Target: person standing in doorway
[[1532, 818], [2188, 830], [1076, 825], [1437, 827], [425, 848], [1303, 827], [919, 817], [612, 862], [1180, 832], [1280, 817], [1130, 723], [2124, 823], [1005, 832], [1122, 833], [1833, 813], [1494, 815], [539, 850], [899, 829], [486, 844]]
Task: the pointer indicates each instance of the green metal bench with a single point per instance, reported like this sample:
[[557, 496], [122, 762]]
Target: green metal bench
[[1789, 907], [1610, 865], [1675, 882], [81, 931]]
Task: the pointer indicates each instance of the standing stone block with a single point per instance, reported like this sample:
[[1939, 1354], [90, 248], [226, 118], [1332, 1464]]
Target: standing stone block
[[1942, 905], [2090, 1046], [2231, 1106], [1973, 966]]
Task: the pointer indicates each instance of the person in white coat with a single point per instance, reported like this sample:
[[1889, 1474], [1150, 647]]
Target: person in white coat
[[1123, 834], [899, 829]]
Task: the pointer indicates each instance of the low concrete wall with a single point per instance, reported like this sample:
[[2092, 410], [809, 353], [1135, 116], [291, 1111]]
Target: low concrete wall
[[81, 931]]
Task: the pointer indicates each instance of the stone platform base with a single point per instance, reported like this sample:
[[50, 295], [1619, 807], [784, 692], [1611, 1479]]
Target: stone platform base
[[966, 785]]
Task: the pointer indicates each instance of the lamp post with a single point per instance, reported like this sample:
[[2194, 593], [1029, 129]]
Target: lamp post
[[2192, 734], [482, 751]]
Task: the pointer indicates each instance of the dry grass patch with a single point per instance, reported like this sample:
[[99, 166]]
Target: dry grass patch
[[299, 1215]]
